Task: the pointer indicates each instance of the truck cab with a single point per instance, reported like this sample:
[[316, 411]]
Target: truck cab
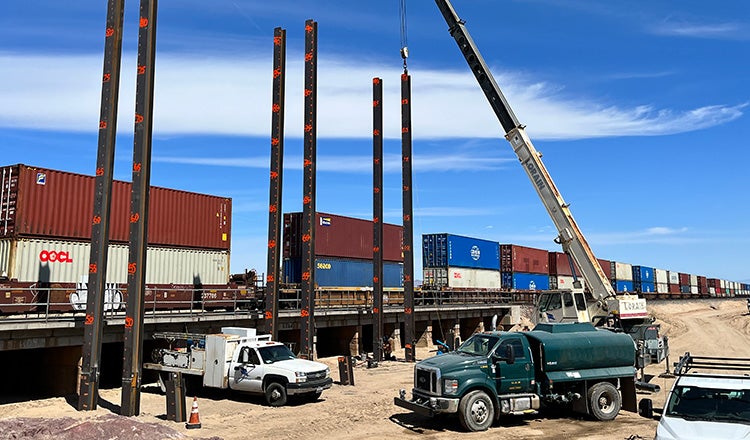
[[271, 369], [707, 405]]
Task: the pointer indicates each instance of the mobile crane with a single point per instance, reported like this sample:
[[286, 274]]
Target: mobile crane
[[603, 307]]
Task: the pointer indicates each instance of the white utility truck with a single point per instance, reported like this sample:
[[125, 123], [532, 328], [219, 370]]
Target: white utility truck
[[241, 360], [710, 399]]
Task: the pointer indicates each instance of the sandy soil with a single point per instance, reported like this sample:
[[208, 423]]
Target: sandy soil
[[366, 410]]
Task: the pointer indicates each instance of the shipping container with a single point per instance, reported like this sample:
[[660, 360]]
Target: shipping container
[[674, 288], [643, 274], [622, 285], [644, 287], [522, 259], [606, 266], [461, 278], [525, 281], [693, 280], [449, 250], [662, 288], [565, 282], [684, 279], [661, 276], [694, 290], [559, 264], [344, 272], [702, 284], [38, 260], [623, 271], [341, 237], [684, 289], [674, 278], [51, 204]]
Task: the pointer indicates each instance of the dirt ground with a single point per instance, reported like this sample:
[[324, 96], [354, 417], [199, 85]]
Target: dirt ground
[[366, 410]]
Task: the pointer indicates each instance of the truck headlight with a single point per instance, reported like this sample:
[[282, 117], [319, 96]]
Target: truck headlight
[[450, 386], [300, 376]]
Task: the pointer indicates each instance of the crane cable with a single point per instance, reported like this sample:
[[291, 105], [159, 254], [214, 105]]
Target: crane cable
[[404, 43]]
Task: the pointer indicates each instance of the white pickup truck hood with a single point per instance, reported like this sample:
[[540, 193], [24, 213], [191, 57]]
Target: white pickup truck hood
[[301, 365], [675, 428]]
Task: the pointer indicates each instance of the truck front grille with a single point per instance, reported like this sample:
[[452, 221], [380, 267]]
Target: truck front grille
[[317, 375], [427, 380]]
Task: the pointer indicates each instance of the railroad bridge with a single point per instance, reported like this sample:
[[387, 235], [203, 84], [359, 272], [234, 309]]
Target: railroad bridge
[[45, 342]]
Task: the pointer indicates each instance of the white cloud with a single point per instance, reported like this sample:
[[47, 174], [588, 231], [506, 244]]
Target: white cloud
[[205, 95], [697, 30]]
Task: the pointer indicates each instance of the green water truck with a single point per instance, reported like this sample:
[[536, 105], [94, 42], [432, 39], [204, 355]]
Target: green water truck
[[572, 365]]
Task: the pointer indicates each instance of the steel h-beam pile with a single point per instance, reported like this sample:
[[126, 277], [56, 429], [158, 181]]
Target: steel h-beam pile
[[93, 325], [377, 218], [275, 189], [307, 312]]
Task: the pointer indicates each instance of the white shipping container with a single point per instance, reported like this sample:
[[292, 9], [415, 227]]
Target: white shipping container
[[674, 278], [694, 290], [660, 276], [566, 282], [63, 261], [723, 284], [466, 278], [662, 288], [623, 271], [693, 280]]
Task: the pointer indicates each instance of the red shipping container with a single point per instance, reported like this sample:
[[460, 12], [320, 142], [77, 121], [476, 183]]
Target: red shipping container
[[674, 288], [606, 266], [684, 279], [515, 258], [38, 202], [343, 237]]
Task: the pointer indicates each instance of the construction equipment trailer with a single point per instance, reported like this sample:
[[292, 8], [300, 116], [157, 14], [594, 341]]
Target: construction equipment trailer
[[603, 307]]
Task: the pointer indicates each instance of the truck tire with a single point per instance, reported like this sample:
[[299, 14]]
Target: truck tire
[[604, 401], [476, 411], [276, 394]]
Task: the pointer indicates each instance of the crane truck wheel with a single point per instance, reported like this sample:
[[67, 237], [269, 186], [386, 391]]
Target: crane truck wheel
[[604, 401], [276, 394], [476, 411]]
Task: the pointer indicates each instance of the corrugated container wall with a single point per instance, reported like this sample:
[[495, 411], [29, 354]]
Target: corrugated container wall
[[693, 280], [684, 280], [525, 281], [341, 237], [57, 261], [661, 276], [623, 271], [622, 285], [606, 266], [448, 250], [515, 258], [461, 278], [565, 282], [38, 202], [674, 278], [344, 272], [643, 274]]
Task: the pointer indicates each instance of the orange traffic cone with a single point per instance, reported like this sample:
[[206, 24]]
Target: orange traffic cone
[[195, 418]]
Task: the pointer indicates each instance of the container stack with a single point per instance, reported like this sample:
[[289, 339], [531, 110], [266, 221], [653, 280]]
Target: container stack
[[455, 261], [343, 251], [623, 277], [524, 268], [561, 274], [643, 279], [45, 230]]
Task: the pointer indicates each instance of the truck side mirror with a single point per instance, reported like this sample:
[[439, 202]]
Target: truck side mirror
[[510, 355]]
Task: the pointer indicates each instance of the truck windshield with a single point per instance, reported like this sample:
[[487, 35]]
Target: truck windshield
[[695, 403], [275, 353], [478, 345]]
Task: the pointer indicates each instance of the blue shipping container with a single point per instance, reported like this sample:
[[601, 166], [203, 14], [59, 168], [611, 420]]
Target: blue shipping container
[[643, 287], [644, 274], [622, 286], [344, 272], [445, 250], [524, 281]]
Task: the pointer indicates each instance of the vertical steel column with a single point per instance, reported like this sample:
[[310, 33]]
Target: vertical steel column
[[275, 189], [409, 325], [377, 219], [307, 312], [139, 196], [94, 325]]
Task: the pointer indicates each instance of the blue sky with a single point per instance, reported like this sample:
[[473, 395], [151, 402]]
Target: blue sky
[[640, 109]]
